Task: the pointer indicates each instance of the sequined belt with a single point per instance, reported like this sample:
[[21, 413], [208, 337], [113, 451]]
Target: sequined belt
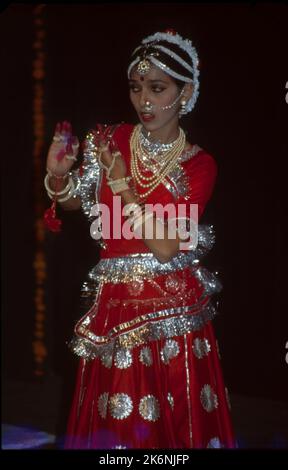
[[143, 265], [138, 266]]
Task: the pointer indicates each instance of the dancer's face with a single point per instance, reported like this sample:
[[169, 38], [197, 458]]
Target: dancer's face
[[160, 90]]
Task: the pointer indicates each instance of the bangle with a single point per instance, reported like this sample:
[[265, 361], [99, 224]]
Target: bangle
[[58, 193], [69, 195], [50, 173], [125, 178], [119, 185], [66, 196]]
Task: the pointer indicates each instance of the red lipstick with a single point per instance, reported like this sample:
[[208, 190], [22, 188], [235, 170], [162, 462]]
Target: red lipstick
[[147, 117]]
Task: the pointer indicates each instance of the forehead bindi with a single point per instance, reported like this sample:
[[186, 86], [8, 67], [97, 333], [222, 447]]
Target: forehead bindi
[[154, 75]]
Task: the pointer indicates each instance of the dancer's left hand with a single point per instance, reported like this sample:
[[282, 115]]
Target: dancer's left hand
[[119, 169]]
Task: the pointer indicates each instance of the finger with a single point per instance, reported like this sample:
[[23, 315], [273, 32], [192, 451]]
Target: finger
[[75, 141], [56, 136], [113, 146], [66, 127], [69, 149], [99, 128], [62, 127], [106, 130], [103, 146], [65, 131], [70, 157]]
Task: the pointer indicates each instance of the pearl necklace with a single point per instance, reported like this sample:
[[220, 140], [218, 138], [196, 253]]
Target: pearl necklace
[[168, 161]]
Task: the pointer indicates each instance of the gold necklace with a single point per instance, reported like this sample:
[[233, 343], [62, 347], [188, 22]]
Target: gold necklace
[[169, 160]]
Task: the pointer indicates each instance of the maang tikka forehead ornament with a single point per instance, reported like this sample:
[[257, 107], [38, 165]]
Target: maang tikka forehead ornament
[[144, 65], [174, 55]]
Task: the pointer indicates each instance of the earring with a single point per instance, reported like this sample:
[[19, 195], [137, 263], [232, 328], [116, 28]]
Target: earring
[[183, 109]]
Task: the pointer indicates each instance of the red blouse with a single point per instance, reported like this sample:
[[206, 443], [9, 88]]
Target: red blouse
[[199, 173]]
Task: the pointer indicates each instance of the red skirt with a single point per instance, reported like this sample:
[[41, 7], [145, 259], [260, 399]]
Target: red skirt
[[168, 393]]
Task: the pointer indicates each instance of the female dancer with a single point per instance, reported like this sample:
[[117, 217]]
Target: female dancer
[[149, 373]]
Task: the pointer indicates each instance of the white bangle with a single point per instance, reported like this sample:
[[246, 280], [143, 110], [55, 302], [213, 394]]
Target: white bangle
[[65, 197], [50, 173], [58, 193], [119, 185], [69, 195]]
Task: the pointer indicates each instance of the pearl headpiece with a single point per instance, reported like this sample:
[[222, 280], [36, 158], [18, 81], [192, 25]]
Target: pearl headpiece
[[170, 36]]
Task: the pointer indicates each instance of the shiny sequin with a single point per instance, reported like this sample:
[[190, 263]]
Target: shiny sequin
[[188, 319], [107, 359], [214, 443], [145, 356], [120, 405], [135, 287], [180, 182], [201, 347], [171, 400], [174, 283], [149, 408], [88, 184], [123, 359], [209, 281], [169, 351], [189, 153], [102, 404], [138, 267], [91, 175], [208, 398]]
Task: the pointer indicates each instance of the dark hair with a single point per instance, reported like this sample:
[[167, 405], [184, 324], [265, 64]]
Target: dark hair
[[165, 58]]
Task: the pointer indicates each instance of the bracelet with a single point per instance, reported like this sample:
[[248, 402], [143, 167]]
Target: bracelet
[[50, 173], [119, 185], [66, 196], [58, 193], [125, 178], [69, 195]]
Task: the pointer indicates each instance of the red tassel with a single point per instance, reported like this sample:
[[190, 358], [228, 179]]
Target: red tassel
[[50, 221]]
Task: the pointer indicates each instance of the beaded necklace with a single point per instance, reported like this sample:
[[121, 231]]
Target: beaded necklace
[[168, 156]]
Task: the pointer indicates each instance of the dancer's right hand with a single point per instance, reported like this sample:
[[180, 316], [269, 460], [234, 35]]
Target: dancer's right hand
[[63, 150]]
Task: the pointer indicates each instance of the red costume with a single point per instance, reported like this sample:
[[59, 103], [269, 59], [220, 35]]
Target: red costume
[[149, 375]]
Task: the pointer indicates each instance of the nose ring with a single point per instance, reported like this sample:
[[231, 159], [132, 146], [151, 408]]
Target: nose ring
[[148, 106]]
